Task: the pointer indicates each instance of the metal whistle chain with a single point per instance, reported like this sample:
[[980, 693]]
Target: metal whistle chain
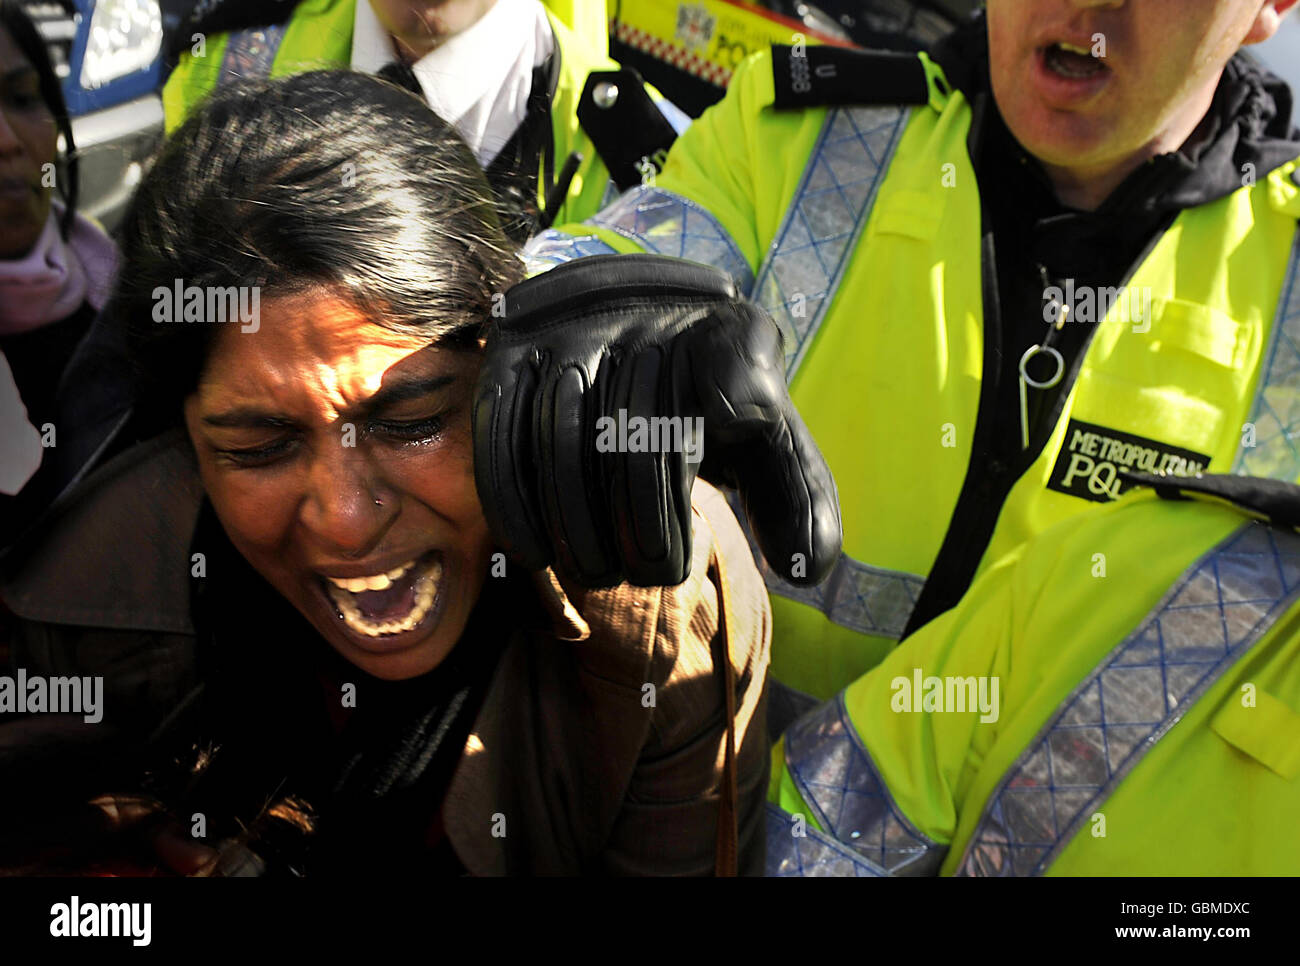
[[1026, 380], [1044, 348]]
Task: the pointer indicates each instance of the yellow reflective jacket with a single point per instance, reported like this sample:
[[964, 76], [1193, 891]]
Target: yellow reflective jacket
[[1119, 696]]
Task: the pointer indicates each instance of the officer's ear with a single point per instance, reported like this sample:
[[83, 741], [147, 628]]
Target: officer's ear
[[1267, 20]]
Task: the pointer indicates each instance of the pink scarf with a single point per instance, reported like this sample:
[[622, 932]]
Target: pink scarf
[[51, 281], [46, 285]]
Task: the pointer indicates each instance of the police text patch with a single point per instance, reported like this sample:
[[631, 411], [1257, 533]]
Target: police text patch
[[1092, 456]]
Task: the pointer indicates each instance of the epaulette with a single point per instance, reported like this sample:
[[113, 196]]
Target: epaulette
[[826, 76], [625, 126], [1273, 500]]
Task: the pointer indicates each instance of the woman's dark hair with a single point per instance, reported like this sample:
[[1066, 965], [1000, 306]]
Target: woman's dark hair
[[32, 44], [330, 178]]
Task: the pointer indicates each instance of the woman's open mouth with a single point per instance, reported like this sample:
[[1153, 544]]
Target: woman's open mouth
[[392, 607]]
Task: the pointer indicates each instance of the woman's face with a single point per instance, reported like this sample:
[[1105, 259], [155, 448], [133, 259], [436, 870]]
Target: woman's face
[[338, 456], [28, 141]]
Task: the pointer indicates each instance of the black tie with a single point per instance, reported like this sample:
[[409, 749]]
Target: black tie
[[395, 72]]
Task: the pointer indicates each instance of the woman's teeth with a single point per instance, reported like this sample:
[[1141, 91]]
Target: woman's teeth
[[425, 593], [356, 585]]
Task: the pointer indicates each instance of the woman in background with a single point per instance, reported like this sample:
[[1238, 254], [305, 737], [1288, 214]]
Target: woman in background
[[56, 267]]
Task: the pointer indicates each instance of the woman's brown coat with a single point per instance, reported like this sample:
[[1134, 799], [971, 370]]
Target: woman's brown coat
[[598, 748]]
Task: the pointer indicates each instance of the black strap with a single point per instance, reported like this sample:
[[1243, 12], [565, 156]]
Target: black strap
[[726, 850], [1274, 500], [513, 172], [831, 76], [624, 124]]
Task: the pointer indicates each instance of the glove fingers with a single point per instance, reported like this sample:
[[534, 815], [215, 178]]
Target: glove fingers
[[505, 472], [758, 441], [568, 470], [793, 507], [650, 492]]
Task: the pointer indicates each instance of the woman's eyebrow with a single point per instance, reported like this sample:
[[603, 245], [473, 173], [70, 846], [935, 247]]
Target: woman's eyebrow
[[248, 417], [405, 390]]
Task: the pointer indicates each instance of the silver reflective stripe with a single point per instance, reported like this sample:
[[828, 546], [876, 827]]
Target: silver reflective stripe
[[250, 54], [667, 223], [833, 772], [863, 598], [797, 849], [796, 284], [856, 595], [610, 196], [815, 243], [1275, 414], [550, 248], [1210, 618]]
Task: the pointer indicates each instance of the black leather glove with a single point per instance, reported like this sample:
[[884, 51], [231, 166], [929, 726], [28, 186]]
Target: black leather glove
[[601, 349]]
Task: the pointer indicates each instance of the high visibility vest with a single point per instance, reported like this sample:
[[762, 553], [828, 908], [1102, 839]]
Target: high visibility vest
[[859, 229], [318, 36], [1146, 718]]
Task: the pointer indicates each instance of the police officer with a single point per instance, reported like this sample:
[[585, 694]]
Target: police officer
[[1059, 246], [1115, 697], [530, 87]]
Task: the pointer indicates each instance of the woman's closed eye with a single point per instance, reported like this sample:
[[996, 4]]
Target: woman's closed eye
[[258, 455], [403, 433], [408, 431]]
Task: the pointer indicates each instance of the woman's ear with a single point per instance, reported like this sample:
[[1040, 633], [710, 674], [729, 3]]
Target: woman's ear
[[189, 415], [1268, 20]]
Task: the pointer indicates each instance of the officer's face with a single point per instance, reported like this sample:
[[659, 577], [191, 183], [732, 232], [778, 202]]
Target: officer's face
[[421, 25], [28, 140], [338, 456], [1088, 86]]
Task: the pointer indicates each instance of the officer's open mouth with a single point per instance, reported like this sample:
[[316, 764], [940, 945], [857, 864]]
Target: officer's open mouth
[[387, 603], [1071, 61]]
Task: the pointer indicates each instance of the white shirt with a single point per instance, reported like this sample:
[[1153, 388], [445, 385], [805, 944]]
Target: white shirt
[[479, 80]]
